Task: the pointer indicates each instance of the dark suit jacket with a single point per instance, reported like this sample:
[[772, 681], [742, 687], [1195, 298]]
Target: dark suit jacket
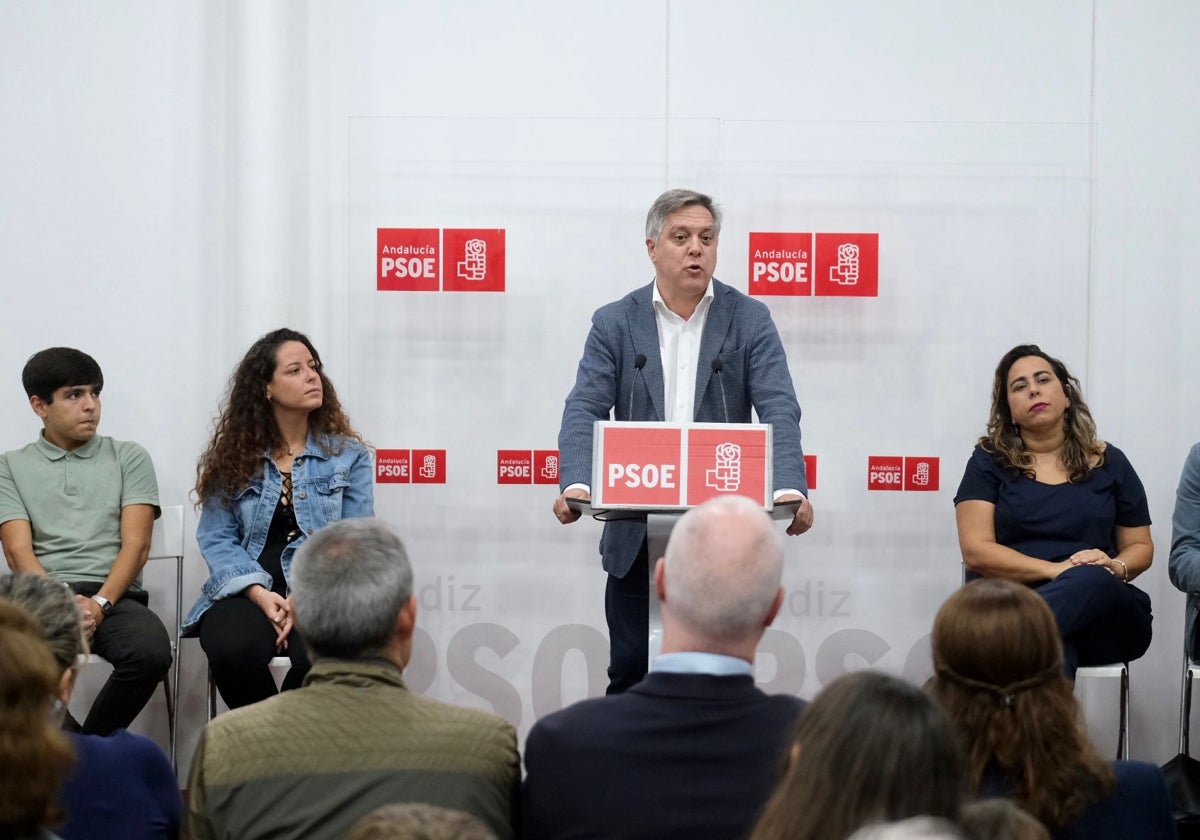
[[739, 331], [678, 755]]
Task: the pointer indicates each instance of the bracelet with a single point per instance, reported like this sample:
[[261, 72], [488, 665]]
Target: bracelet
[[1124, 569]]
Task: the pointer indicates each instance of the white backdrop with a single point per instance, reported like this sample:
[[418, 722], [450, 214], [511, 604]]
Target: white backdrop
[[179, 178]]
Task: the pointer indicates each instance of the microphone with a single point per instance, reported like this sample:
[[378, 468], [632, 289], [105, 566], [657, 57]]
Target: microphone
[[639, 362], [717, 367]]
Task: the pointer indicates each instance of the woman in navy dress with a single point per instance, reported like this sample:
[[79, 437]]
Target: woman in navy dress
[[1045, 503]]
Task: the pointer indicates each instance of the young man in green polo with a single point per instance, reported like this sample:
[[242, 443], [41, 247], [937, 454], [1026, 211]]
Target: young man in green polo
[[80, 507]]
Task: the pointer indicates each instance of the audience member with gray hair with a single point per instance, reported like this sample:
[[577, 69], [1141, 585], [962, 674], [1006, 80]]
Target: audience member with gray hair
[[121, 785], [692, 750], [309, 763]]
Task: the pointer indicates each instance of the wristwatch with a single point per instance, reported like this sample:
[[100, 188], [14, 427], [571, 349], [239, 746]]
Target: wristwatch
[[106, 606]]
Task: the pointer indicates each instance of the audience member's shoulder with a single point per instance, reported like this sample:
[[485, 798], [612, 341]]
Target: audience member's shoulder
[[1139, 775], [126, 449], [463, 716], [123, 749]]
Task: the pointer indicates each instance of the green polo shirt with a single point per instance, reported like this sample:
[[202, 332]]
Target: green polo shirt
[[73, 501]]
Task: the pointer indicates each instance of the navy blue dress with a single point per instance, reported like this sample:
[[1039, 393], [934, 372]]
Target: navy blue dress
[[1138, 808], [1101, 618]]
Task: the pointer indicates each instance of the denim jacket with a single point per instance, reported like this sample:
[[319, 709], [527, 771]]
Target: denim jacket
[[325, 488]]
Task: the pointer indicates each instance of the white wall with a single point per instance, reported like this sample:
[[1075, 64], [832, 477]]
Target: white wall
[[179, 178]]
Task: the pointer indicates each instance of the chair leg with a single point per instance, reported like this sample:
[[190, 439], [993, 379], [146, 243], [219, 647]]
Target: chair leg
[[1185, 707], [1123, 725], [170, 698], [212, 696]]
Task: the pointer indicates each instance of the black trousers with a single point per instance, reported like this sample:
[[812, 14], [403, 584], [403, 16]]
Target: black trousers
[[135, 642], [627, 609], [239, 641]]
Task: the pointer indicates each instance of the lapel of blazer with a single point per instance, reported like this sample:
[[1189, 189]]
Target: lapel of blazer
[[643, 331], [720, 315]]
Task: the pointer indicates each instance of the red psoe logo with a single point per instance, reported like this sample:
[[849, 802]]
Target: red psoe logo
[[392, 466], [407, 259], [514, 466], [429, 466], [545, 466], [885, 472], [847, 264], [781, 264], [727, 461], [642, 467], [810, 471], [921, 474], [474, 260]]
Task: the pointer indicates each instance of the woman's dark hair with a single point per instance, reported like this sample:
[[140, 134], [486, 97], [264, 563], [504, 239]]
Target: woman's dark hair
[[35, 755], [998, 672], [1081, 451], [246, 427], [870, 748]]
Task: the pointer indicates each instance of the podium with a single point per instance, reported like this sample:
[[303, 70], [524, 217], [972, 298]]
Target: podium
[[658, 471]]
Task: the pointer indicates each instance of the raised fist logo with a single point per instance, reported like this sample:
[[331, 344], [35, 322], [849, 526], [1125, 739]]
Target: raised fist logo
[[726, 476], [473, 266]]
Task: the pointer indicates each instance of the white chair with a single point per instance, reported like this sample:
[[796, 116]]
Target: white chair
[[166, 543], [279, 666], [1120, 672], [1191, 670]]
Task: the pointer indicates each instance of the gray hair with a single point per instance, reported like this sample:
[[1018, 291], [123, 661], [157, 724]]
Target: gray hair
[[724, 562], [349, 581], [52, 604], [913, 828], [673, 200]]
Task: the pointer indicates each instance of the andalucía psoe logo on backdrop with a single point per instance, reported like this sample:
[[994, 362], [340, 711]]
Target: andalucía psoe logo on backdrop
[[410, 466], [892, 472], [814, 264], [524, 466], [450, 260]]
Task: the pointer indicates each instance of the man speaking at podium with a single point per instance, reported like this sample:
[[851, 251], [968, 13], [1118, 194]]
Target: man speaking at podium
[[685, 348]]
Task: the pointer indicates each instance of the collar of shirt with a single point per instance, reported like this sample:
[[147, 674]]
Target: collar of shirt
[[700, 662], [55, 453], [679, 348]]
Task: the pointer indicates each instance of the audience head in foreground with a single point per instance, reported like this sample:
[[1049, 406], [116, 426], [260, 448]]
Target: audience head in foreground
[[353, 738], [1000, 819], [419, 822], [122, 784], [998, 663], [35, 755], [870, 748], [692, 749]]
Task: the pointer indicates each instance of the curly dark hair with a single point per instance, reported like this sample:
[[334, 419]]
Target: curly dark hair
[[998, 665], [1082, 452], [246, 427]]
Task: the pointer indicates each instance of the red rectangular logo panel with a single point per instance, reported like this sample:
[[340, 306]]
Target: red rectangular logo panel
[[474, 260], [810, 471], [781, 264], [545, 466], [514, 466], [641, 466], [727, 461], [392, 466], [885, 472], [429, 466], [920, 473], [847, 264], [407, 259]]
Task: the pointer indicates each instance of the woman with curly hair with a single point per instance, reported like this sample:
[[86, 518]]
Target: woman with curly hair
[[998, 672], [283, 461], [1045, 503], [35, 755]]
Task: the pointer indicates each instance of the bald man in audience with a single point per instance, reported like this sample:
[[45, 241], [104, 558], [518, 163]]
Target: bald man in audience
[[694, 749], [308, 763]]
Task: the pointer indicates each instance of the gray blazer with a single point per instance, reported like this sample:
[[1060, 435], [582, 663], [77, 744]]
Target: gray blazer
[[754, 371], [1183, 564]]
